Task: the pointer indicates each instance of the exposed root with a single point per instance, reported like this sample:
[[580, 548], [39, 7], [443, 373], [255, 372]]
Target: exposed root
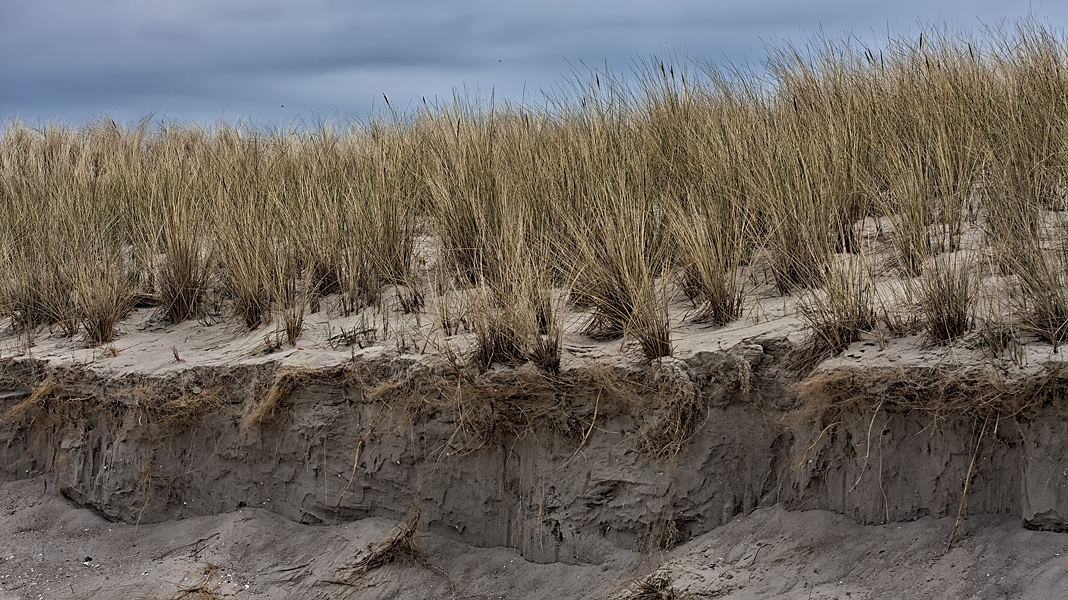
[[967, 483], [399, 546], [286, 381], [804, 456], [496, 406], [933, 389], [653, 587], [47, 388], [664, 533], [515, 403], [200, 591], [192, 405], [355, 463], [593, 421], [684, 413]]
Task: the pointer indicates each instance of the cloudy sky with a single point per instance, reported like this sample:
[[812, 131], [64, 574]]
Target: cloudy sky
[[279, 62]]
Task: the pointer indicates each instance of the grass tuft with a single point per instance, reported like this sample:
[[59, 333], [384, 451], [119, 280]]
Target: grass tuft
[[838, 314], [949, 289]]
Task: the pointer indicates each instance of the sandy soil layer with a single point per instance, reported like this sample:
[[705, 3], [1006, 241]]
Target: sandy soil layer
[[770, 553], [773, 553], [47, 542]]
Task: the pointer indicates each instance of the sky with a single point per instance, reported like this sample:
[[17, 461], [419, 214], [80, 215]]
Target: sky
[[279, 63]]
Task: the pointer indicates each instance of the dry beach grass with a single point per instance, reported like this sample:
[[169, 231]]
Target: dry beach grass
[[936, 162]]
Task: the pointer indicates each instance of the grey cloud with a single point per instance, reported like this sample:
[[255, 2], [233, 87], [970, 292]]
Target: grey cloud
[[205, 58]]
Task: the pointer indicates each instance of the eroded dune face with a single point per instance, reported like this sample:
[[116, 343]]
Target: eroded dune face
[[564, 468], [54, 548]]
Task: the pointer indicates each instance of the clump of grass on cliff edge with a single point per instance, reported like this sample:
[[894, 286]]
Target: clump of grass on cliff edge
[[487, 209], [694, 142], [839, 314], [949, 290], [177, 232], [613, 242]]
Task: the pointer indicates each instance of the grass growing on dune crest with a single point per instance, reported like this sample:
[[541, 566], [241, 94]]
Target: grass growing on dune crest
[[836, 167]]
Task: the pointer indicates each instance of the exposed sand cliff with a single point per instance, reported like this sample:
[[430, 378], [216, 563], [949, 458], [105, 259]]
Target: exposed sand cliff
[[612, 463]]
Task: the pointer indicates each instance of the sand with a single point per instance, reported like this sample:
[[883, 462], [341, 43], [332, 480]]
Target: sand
[[254, 553]]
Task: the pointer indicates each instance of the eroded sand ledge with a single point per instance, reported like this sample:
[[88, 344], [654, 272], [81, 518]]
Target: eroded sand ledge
[[570, 469]]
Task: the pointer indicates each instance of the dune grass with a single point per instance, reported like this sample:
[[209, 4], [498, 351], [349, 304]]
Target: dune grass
[[619, 194]]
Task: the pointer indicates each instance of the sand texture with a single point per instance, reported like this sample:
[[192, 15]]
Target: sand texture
[[711, 474]]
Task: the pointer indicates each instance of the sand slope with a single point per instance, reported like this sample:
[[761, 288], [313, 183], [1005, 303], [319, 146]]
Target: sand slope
[[770, 553]]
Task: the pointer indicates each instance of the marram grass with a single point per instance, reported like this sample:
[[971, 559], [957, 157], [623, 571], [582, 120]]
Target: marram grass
[[620, 195]]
